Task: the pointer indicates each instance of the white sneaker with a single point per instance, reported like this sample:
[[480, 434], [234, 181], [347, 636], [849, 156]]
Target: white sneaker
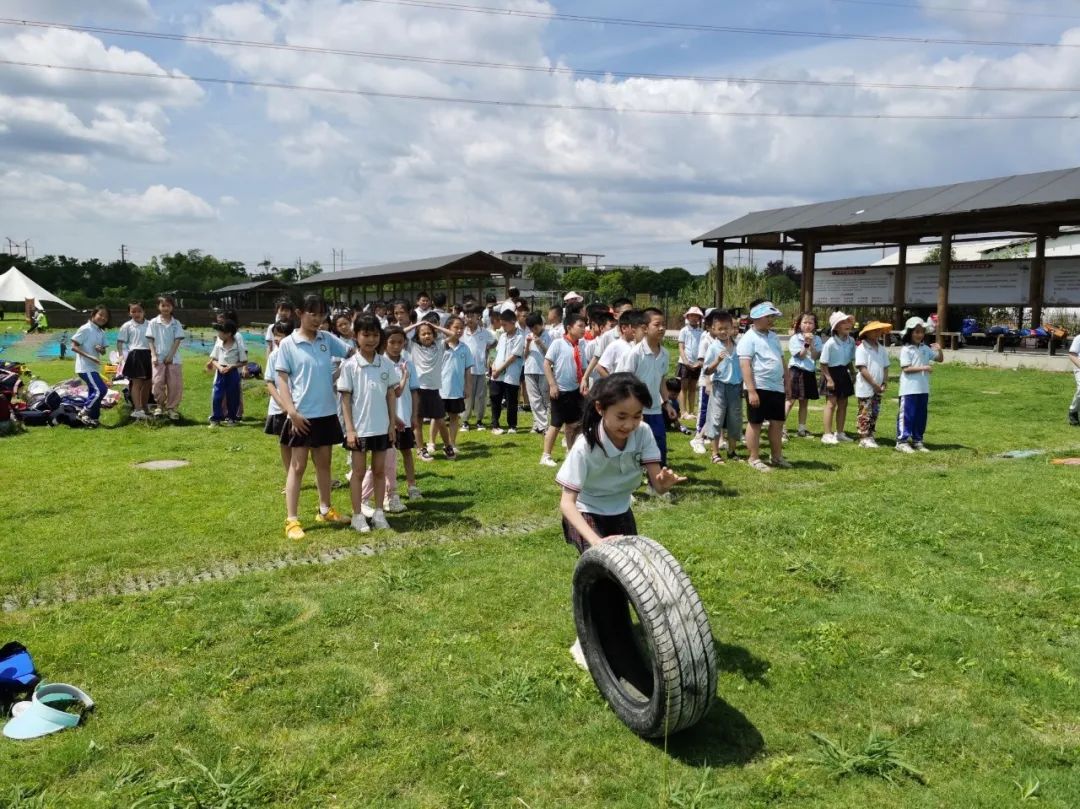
[[394, 505], [903, 446], [511, 430], [698, 446], [547, 460], [844, 438], [480, 428], [414, 493], [804, 433], [868, 443], [921, 447], [360, 524], [431, 448], [829, 438], [578, 654], [378, 521], [465, 427], [139, 415], [367, 509], [497, 430]]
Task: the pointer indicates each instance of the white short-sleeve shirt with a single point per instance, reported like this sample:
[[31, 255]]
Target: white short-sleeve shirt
[[651, 369], [133, 335], [604, 476], [837, 352], [919, 382], [512, 345], [766, 359], [563, 365], [535, 351], [404, 402], [89, 337], [428, 361], [796, 345], [876, 361], [162, 335], [270, 375], [690, 339], [479, 342], [367, 384], [618, 349], [1075, 347], [226, 355]]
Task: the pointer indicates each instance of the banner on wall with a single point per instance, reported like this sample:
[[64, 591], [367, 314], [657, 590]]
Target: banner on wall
[[971, 283]]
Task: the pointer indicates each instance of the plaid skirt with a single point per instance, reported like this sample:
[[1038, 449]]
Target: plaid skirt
[[606, 525]]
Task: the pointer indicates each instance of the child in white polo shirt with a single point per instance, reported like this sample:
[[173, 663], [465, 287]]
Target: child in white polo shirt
[[480, 341], [275, 414], [164, 334], [506, 373], [648, 361], [564, 370], [455, 382], [1074, 358], [604, 466], [872, 363], [368, 387], [226, 357], [537, 342]]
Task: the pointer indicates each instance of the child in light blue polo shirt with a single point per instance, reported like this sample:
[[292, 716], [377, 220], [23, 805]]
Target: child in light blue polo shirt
[[506, 373], [456, 382], [762, 361], [648, 361], [723, 369]]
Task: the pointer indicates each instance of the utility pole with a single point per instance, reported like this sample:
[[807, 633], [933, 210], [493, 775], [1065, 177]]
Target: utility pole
[[13, 246], [123, 254], [27, 249]]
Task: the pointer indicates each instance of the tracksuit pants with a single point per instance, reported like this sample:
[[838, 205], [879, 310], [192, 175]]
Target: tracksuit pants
[[911, 420], [476, 402], [659, 430], [537, 388], [95, 392], [703, 408], [501, 391], [225, 400]]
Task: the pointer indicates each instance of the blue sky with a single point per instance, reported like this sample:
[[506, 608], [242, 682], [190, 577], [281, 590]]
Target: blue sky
[[94, 161]]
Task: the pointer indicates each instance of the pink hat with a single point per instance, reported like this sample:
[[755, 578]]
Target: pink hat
[[837, 318], [693, 310], [572, 296]]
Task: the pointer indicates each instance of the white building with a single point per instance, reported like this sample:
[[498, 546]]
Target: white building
[[561, 261]]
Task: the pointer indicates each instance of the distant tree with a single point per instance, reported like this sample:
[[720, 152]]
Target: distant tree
[[781, 289], [641, 280], [543, 274], [612, 285], [672, 280], [933, 255], [580, 278]]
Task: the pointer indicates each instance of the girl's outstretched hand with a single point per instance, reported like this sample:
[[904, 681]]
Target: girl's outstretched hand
[[665, 479]]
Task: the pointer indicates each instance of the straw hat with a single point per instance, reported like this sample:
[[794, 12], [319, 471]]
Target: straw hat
[[875, 325]]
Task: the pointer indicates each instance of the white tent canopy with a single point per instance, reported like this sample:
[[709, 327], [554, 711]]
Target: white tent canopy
[[14, 286]]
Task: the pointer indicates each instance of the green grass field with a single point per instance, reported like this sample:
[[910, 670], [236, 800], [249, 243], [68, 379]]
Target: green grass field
[[893, 631]]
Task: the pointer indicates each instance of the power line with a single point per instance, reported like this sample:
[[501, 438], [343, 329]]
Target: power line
[[552, 105], [998, 12], [549, 70], [717, 29]]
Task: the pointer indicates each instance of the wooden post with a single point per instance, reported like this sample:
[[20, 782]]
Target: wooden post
[[943, 284], [718, 279], [900, 288], [808, 269], [1038, 281]]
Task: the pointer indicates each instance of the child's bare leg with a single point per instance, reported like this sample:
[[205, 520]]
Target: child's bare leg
[[804, 409], [776, 440], [571, 432], [390, 475], [453, 422], [753, 440], [549, 439], [356, 483], [691, 396], [297, 465], [438, 427], [841, 413], [830, 406], [378, 472], [418, 431], [321, 457], [286, 454], [409, 461]]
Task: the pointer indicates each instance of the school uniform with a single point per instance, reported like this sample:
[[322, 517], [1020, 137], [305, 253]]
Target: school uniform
[[504, 388], [1074, 350], [725, 402], [596, 348], [309, 366], [168, 378], [269, 339], [457, 360], [876, 361], [618, 349], [89, 338], [406, 438], [568, 367], [837, 355], [604, 478], [479, 342], [275, 416], [914, 394], [690, 340], [225, 398], [367, 384], [803, 379], [650, 368], [138, 364], [767, 365], [428, 361], [556, 331], [704, 386], [536, 387]]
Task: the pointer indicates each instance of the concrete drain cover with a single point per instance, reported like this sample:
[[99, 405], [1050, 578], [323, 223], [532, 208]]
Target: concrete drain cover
[[157, 465]]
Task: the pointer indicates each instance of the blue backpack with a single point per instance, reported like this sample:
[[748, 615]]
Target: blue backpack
[[17, 672]]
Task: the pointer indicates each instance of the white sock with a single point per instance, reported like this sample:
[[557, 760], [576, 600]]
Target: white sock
[[323, 509], [802, 427]]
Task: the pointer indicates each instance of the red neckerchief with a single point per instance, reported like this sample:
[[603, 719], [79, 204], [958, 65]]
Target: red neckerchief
[[577, 357]]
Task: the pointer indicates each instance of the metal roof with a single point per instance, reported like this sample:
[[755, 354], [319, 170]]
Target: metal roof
[[490, 264], [249, 286], [1049, 197]]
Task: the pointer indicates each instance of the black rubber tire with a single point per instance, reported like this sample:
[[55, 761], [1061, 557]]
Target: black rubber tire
[[658, 676]]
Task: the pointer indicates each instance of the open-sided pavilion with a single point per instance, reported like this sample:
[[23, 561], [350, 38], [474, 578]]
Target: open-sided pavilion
[[1038, 205], [456, 274]]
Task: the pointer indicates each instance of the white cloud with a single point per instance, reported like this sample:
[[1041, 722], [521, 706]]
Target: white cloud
[[227, 201], [284, 209], [47, 196]]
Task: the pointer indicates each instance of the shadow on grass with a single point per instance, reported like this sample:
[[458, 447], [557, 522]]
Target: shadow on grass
[[723, 738], [827, 467], [740, 660]]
